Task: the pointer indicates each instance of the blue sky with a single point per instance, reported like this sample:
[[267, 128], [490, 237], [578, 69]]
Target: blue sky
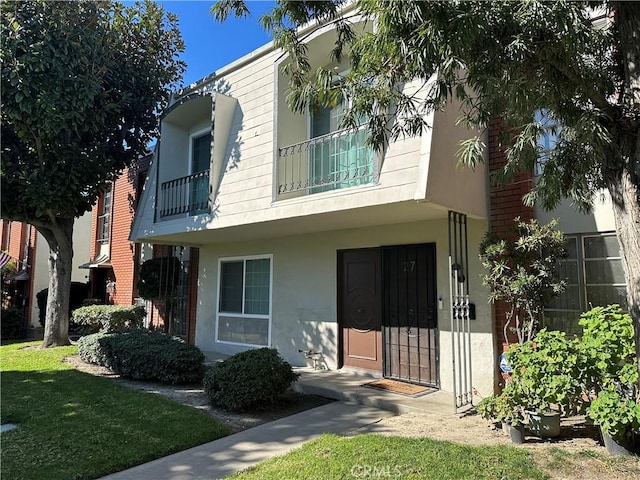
[[210, 45]]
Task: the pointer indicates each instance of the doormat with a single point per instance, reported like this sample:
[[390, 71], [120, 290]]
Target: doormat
[[403, 388]]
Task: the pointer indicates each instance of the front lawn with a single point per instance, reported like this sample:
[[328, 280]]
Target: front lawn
[[73, 425], [376, 456]]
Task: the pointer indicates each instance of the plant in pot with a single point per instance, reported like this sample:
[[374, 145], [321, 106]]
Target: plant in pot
[[547, 372], [611, 377], [506, 409], [618, 415], [520, 270]]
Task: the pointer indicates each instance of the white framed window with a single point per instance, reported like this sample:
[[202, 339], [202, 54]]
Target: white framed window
[[595, 277], [244, 300], [104, 218]]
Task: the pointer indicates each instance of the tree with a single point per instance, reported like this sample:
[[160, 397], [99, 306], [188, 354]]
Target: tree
[[82, 83], [499, 59], [522, 272]]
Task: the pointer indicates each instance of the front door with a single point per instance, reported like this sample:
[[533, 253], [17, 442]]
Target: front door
[[409, 313], [359, 308]]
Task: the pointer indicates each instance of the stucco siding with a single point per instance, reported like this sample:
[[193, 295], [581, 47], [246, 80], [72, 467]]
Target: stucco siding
[[304, 296], [600, 219]]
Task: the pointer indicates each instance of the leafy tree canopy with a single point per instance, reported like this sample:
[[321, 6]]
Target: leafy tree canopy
[[504, 58], [571, 67], [81, 85]]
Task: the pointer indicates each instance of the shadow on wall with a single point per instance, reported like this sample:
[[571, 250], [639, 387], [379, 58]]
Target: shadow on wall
[[315, 342]]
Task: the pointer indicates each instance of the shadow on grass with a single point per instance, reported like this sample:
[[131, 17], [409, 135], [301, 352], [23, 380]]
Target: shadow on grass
[[75, 425]]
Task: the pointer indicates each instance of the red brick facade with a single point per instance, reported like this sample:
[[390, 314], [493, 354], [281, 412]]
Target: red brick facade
[[16, 237], [505, 205]]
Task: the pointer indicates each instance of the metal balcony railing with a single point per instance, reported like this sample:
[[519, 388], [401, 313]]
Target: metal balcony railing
[[336, 160], [188, 194]]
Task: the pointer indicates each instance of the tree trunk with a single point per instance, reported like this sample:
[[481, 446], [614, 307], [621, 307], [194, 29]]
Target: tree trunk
[[626, 211], [626, 193], [59, 237]]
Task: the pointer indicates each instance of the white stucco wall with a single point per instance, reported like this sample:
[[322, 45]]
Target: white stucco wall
[[305, 293], [81, 249], [572, 221]]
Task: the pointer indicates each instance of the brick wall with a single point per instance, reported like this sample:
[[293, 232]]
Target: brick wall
[[505, 205], [21, 291], [123, 251]]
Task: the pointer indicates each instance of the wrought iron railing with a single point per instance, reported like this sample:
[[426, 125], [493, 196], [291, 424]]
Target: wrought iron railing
[[188, 194], [336, 160]]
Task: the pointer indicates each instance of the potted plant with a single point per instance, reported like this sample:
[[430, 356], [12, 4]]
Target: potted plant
[[618, 415], [505, 408], [547, 372], [610, 376], [520, 270]]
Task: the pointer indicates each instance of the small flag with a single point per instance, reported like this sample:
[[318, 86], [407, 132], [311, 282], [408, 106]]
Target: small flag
[[4, 259]]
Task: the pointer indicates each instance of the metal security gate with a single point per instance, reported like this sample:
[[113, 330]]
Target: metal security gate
[[409, 314], [460, 312]]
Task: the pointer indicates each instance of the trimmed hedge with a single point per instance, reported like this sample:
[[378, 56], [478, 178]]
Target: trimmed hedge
[[12, 323], [144, 355], [250, 379], [107, 318]]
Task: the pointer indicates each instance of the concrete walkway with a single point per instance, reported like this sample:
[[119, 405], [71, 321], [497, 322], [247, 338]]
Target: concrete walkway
[[241, 450]]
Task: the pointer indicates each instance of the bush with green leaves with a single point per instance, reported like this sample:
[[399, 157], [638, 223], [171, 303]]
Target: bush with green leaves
[[159, 277], [607, 337], [505, 407], [520, 270], [611, 375], [13, 324], [144, 355], [107, 318], [549, 371], [251, 379]]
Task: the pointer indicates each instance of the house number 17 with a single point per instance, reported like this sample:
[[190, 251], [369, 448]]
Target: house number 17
[[409, 266]]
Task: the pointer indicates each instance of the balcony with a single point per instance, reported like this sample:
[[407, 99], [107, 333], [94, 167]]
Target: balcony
[[333, 161], [188, 194]]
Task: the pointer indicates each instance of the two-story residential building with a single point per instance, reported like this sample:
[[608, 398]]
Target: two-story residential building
[[304, 238], [309, 240]]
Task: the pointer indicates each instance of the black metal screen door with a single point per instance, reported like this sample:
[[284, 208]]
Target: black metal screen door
[[409, 321]]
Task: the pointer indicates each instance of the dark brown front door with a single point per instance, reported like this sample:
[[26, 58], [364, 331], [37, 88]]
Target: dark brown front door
[[359, 308], [409, 313]]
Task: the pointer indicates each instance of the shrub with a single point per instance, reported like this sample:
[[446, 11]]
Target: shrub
[[248, 380], [92, 350], [107, 318], [522, 273], [548, 370], [144, 355], [611, 374], [12, 323], [158, 278]]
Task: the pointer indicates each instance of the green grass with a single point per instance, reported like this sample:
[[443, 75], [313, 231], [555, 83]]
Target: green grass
[[77, 426], [376, 456]]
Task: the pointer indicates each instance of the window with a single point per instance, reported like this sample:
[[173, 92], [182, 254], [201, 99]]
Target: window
[[200, 163], [104, 219], [244, 301], [338, 159], [547, 141], [594, 275]]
